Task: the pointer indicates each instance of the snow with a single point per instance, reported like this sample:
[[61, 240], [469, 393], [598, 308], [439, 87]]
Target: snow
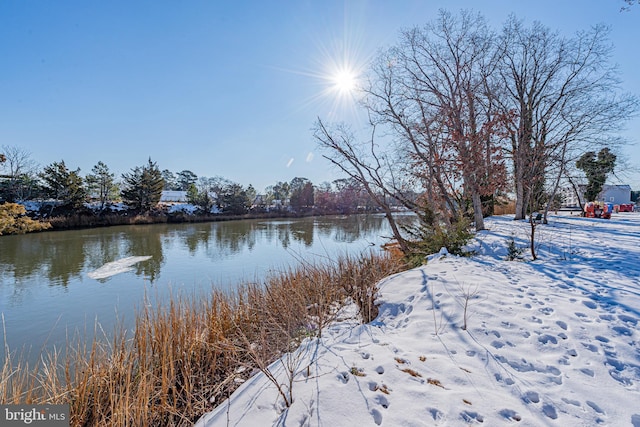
[[550, 342], [116, 267]]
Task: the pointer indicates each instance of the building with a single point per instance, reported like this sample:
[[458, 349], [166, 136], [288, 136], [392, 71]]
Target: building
[[169, 196], [615, 194]]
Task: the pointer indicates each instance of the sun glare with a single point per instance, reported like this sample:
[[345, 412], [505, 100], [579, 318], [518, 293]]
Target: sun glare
[[345, 81], [337, 70]]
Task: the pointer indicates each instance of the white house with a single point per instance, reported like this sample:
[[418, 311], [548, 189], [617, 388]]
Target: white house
[[169, 196], [616, 194]]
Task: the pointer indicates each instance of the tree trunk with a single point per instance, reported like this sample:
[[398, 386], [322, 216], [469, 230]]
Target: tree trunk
[[478, 218], [520, 199]]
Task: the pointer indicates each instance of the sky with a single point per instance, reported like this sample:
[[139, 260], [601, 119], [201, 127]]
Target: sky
[[225, 88], [551, 342]]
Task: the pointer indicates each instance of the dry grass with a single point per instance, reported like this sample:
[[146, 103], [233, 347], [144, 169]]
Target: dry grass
[[412, 372], [506, 208], [185, 354], [435, 382]]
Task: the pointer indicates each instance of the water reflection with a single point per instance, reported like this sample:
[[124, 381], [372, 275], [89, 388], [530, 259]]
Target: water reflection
[[46, 292], [62, 257]]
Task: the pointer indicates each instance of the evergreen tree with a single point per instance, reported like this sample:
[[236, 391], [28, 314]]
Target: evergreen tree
[[185, 179], [596, 170], [63, 185], [234, 199], [143, 187], [100, 183], [200, 198]]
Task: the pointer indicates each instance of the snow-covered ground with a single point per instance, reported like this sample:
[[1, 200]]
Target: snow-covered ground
[[551, 342]]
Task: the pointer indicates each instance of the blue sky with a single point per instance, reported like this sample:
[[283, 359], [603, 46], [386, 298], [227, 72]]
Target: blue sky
[[223, 88]]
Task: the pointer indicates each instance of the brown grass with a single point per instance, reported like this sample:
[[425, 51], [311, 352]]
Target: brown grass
[[435, 382], [508, 208], [412, 372], [185, 353]]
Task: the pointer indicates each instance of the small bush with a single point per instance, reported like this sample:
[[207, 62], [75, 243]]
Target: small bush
[[429, 236], [513, 251], [13, 220]]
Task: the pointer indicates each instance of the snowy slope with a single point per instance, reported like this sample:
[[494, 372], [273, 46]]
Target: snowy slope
[[548, 342]]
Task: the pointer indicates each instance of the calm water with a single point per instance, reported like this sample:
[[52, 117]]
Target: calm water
[[47, 291]]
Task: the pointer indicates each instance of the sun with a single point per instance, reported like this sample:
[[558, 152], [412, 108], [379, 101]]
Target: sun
[[345, 81]]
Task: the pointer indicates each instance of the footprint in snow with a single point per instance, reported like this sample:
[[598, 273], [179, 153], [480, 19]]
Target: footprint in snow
[[590, 304], [562, 324], [623, 330], [531, 397], [382, 401], [628, 319], [588, 372], [377, 416], [470, 416], [547, 339], [510, 414], [550, 411], [534, 319], [546, 310], [507, 381], [595, 407], [585, 318], [571, 402], [436, 414]]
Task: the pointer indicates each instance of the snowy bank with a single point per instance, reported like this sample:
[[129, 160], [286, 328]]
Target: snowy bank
[[548, 342]]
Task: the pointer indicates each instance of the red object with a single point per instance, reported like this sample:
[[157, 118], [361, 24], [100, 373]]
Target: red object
[[597, 210], [626, 207]]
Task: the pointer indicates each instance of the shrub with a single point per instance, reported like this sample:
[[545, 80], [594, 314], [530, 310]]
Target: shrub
[[430, 235], [513, 251], [13, 220]]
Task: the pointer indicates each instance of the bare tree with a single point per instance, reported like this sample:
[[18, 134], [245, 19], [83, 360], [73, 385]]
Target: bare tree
[[433, 91], [565, 96], [21, 173], [362, 163]]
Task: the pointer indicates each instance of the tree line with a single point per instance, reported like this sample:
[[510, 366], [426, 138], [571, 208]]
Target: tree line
[[465, 114], [61, 190]]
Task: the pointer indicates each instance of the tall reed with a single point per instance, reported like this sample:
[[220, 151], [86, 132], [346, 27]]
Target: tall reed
[[188, 353]]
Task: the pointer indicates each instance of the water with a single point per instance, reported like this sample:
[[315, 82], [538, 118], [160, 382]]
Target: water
[[56, 284]]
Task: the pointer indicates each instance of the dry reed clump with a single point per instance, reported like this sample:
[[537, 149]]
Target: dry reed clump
[[188, 354], [506, 208]]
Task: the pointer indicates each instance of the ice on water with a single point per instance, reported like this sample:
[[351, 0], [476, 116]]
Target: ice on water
[[116, 267]]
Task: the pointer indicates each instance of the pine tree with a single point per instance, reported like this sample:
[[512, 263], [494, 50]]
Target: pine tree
[[63, 185], [143, 187], [100, 183]]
